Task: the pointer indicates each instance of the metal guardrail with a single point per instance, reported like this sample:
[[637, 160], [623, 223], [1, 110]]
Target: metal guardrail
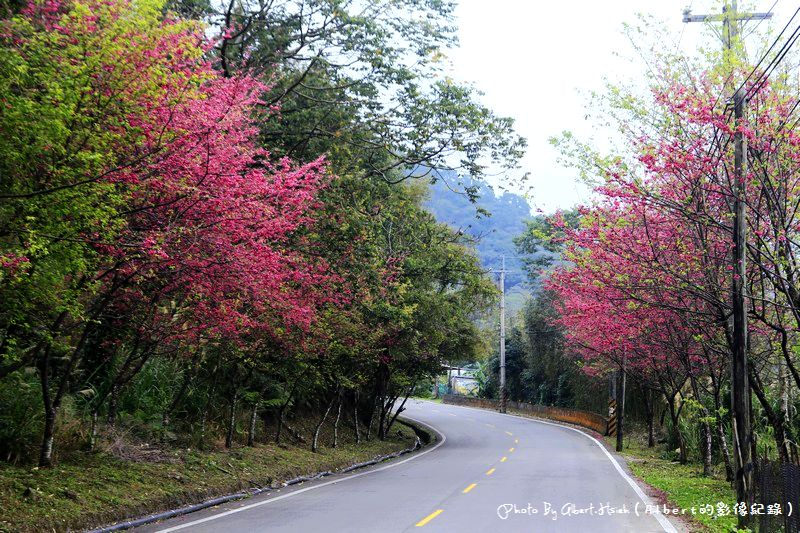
[[585, 419]]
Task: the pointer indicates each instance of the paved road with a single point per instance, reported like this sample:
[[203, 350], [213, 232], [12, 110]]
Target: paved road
[[490, 474]]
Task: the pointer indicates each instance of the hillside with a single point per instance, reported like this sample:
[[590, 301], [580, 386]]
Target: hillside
[[494, 220]]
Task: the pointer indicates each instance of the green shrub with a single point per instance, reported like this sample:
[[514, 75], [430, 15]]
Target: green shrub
[[21, 416]]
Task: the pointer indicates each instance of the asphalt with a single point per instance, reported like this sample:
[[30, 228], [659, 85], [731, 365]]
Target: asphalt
[[487, 473]]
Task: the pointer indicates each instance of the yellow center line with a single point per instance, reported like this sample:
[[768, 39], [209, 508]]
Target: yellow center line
[[509, 433], [430, 517], [504, 459], [511, 450], [469, 488], [516, 441], [490, 471]]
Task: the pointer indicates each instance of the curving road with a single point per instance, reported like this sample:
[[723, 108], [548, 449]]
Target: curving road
[[490, 472]]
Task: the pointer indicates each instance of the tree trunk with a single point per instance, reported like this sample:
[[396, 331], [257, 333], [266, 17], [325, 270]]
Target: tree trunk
[[399, 410], [317, 429], [705, 444], [381, 421], [682, 457], [232, 420], [385, 407], [51, 402], [46, 452], [187, 377], [723, 441], [336, 423], [774, 419], [281, 415], [785, 387], [203, 420], [651, 412], [674, 416], [165, 420], [113, 403], [251, 431], [621, 406], [726, 454], [204, 416], [93, 431], [355, 418], [706, 448], [371, 419]]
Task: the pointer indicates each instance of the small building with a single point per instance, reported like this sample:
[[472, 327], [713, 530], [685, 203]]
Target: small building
[[461, 380]]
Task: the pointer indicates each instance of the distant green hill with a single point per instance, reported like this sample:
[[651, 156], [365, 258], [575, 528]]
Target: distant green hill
[[494, 220]]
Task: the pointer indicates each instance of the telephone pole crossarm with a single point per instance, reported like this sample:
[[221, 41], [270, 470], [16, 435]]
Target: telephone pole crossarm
[[688, 17], [730, 18]]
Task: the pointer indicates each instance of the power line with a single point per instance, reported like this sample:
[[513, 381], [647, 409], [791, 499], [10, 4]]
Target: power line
[[782, 53], [762, 20], [686, 11], [764, 77], [770, 48]]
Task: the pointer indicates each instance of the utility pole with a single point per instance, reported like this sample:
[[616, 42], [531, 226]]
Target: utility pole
[[740, 385], [503, 272], [503, 395]]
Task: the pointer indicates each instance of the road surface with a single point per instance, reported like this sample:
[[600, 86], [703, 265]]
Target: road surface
[[490, 473]]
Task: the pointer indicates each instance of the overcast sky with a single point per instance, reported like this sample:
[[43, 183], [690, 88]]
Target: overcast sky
[[536, 60]]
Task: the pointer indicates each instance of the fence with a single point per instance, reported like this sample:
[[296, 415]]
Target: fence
[[573, 416], [777, 483]]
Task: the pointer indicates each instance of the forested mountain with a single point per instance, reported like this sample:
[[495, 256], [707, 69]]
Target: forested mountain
[[493, 220]]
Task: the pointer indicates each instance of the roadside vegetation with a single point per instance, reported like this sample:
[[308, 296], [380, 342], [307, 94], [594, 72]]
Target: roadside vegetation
[[636, 285], [645, 293], [131, 479], [681, 486], [213, 240]]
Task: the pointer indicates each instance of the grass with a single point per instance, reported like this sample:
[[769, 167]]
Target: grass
[[683, 486], [427, 399], [98, 488]]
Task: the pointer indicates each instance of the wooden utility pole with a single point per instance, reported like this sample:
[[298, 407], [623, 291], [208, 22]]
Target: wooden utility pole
[[740, 385]]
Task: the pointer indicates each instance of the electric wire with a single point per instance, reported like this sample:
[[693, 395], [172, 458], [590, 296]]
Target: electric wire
[[773, 62]]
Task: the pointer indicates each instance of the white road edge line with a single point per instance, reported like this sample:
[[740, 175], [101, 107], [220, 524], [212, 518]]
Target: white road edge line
[[332, 482], [666, 524]]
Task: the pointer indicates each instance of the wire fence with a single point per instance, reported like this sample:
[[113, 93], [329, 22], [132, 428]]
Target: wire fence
[[777, 497]]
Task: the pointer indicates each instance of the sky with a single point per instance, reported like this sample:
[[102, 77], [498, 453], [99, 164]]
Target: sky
[[536, 61]]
